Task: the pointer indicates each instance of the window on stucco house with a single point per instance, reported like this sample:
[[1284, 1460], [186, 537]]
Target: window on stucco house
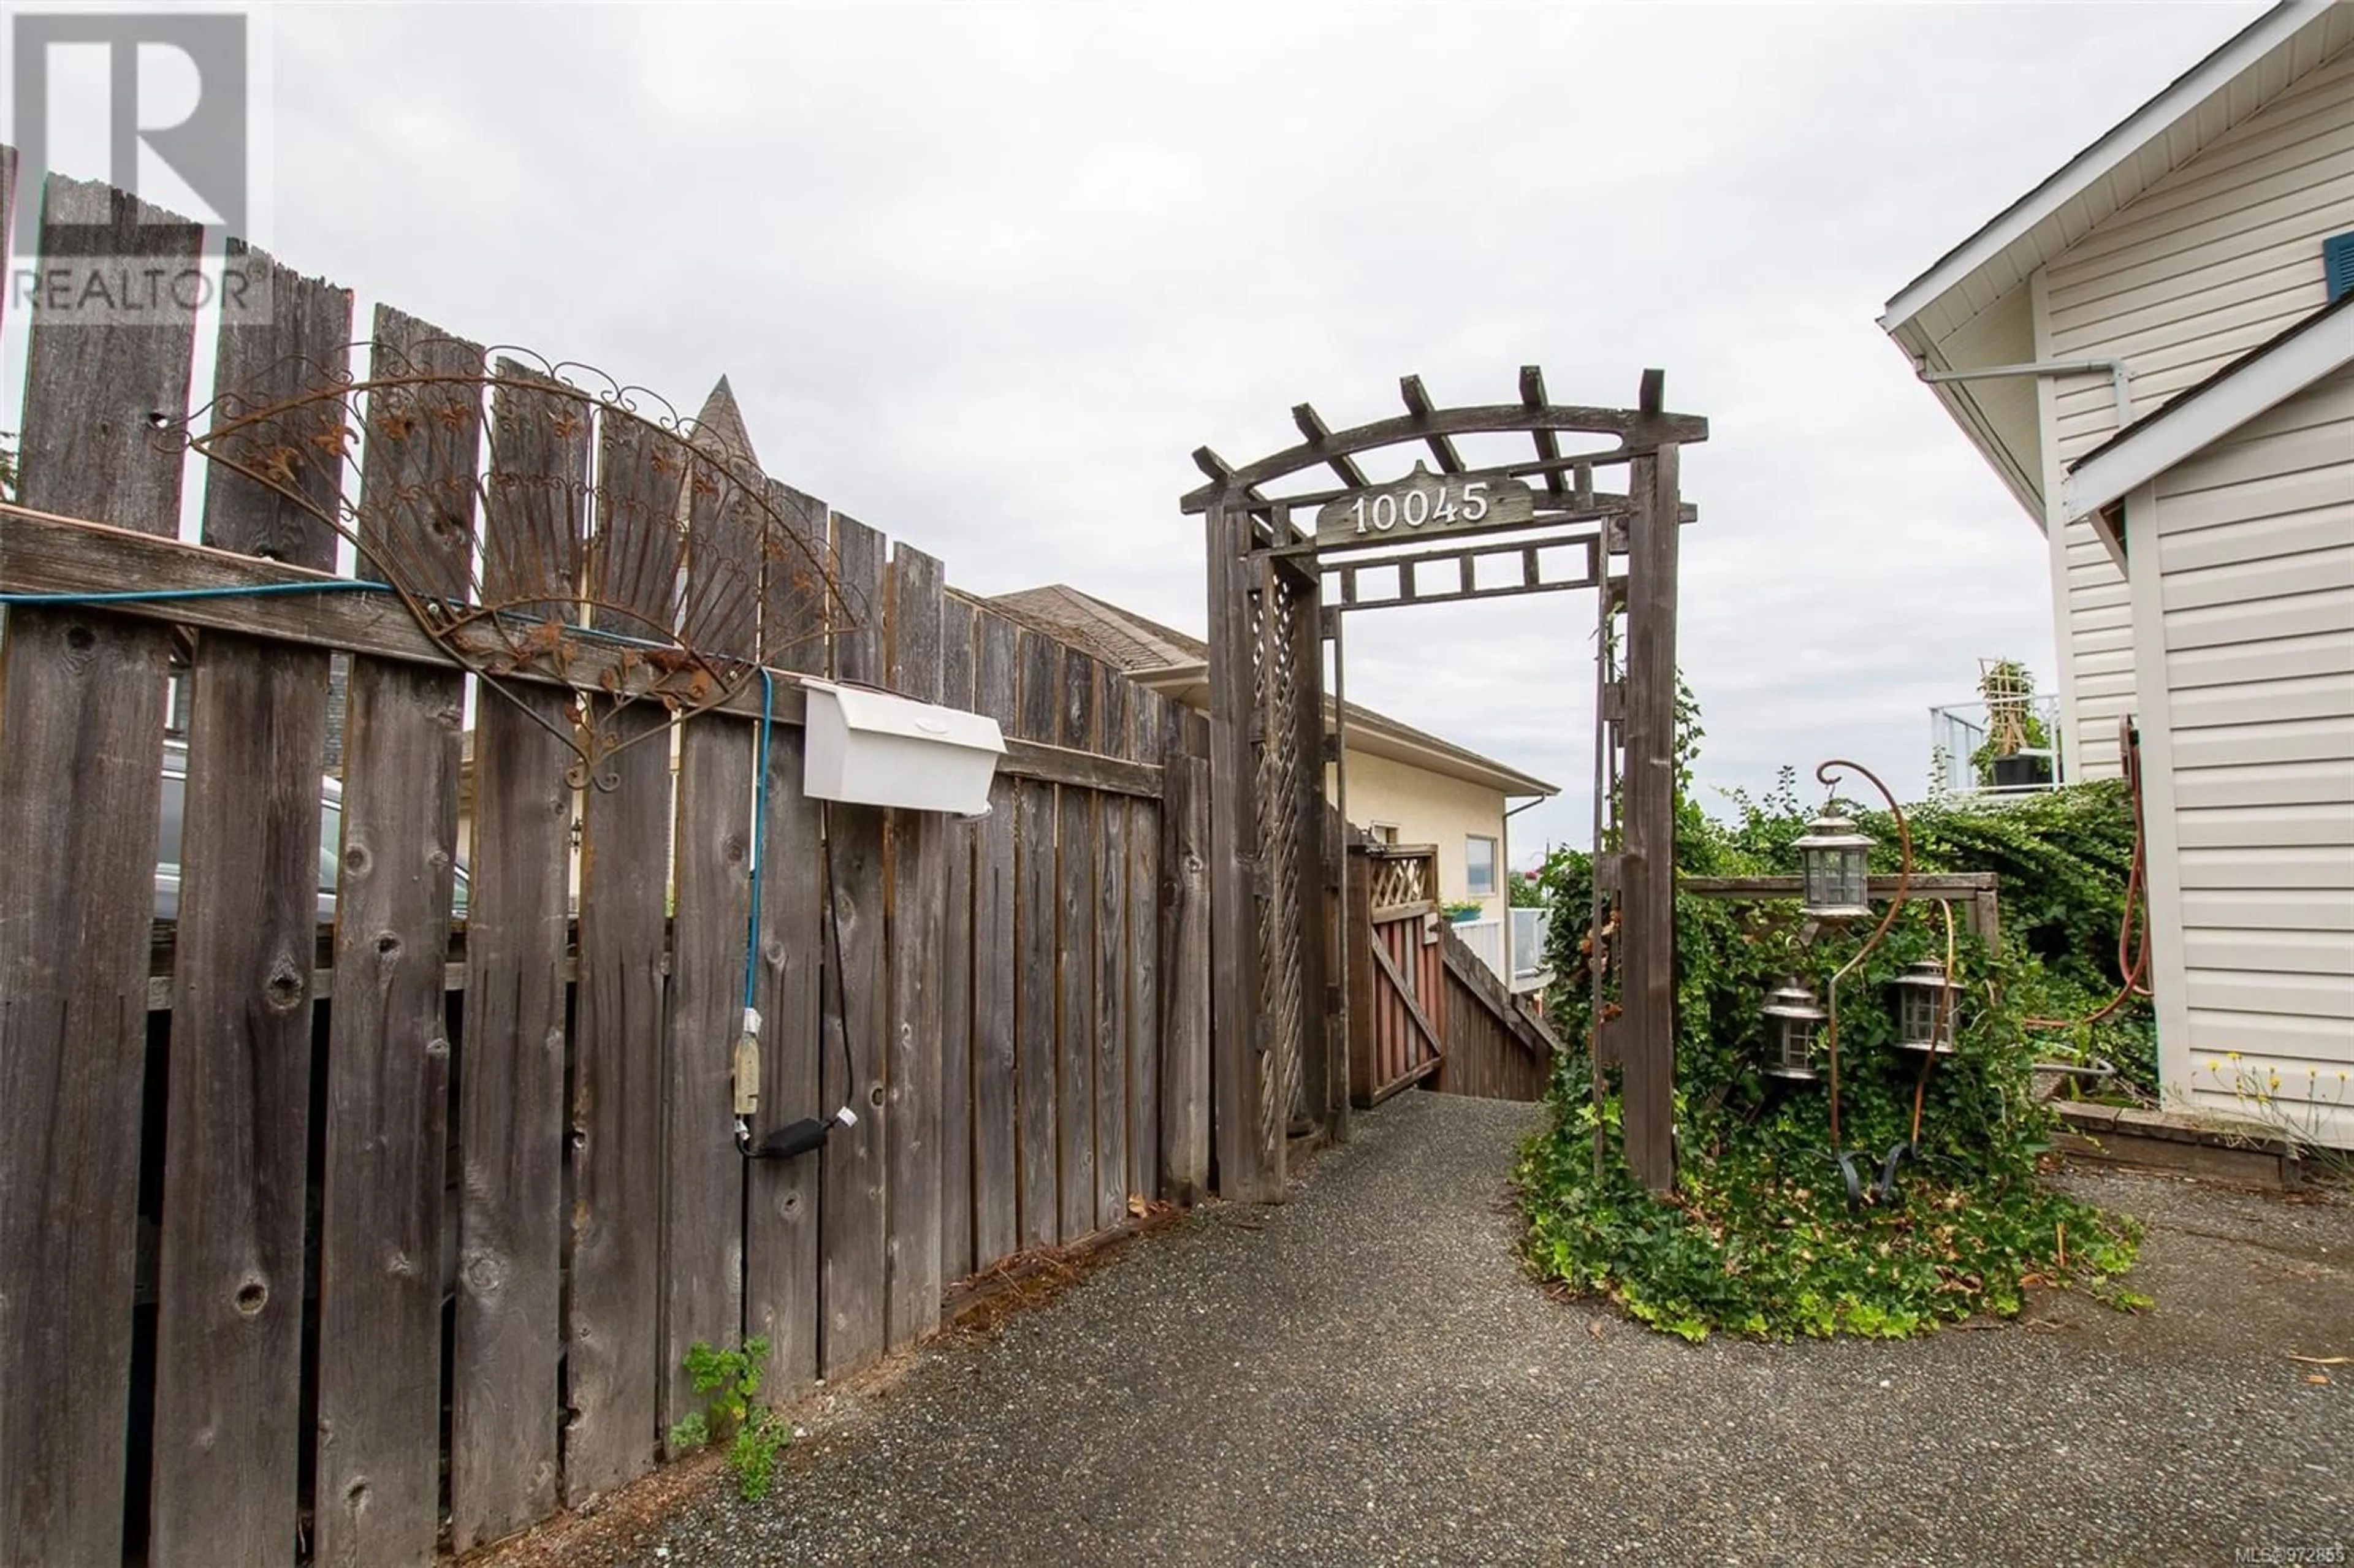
[[1480, 866]]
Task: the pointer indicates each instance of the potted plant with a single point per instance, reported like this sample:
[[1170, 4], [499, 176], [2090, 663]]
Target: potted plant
[[1459, 913], [2013, 726]]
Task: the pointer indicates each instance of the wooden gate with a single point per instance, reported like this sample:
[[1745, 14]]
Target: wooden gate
[[1400, 973]]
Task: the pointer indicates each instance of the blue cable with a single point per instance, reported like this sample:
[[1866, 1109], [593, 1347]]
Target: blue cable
[[759, 835], [356, 585], [157, 596]]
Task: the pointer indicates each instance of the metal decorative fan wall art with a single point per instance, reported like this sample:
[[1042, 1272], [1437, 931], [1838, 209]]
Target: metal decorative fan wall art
[[582, 533]]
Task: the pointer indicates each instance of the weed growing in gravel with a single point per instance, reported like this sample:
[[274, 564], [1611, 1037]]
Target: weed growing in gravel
[[753, 1435]]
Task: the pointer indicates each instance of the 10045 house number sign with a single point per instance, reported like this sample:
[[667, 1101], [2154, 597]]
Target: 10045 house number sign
[[1421, 503]]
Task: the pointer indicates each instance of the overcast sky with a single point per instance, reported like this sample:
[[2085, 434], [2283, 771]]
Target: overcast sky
[[984, 275]]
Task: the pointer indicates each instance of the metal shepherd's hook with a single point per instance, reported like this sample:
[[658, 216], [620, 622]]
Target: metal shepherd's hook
[[1828, 775]]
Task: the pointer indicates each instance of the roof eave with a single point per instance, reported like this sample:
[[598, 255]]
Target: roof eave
[[2009, 466], [2261, 380]]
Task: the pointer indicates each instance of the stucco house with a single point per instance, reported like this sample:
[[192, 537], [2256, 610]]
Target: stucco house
[[1405, 786], [2154, 349]]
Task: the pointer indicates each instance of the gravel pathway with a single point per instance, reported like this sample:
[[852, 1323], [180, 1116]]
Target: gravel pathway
[[1361, 1376]]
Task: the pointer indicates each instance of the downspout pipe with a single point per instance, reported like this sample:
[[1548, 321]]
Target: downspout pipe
[[2120, 374]]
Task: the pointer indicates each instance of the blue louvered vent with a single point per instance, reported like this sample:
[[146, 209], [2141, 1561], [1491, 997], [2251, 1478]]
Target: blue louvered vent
[[2337, 264]]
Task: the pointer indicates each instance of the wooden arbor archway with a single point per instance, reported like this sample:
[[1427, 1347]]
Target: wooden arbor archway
[[1278, 589]]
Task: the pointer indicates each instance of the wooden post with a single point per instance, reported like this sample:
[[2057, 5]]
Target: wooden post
[[1311, 839], [1349, 936], [1646, 1043]]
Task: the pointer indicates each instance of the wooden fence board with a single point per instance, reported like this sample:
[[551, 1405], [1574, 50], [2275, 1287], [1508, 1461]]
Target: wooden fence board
[[917, 930], [1039, 671], [780, 1276], [535, 498], [615, 1360], [1143, 1017], [504, 1406], [505, 1410], [703, 1192], [703, 1208], [229, 1291], [387, 1082], [633, 559], [81, 714], [378, 1487], [1184, 931], [1076, 879], [1113, 971], [850, 1226], [793, 599], [996, 1167], [422, 450], [726, 534], [956, 973]]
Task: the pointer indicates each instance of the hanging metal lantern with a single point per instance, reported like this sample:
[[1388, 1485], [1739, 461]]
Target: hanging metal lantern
[[1926, 1002], [1792, 1014], [1832, 860]]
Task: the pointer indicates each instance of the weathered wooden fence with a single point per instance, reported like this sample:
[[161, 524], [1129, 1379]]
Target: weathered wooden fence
[[1496, 1048], [343, 1259]]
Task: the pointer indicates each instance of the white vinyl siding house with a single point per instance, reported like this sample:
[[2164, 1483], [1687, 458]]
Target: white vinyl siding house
[[2213, 258], [2202, 545], [2246, 633], [2187, 236]]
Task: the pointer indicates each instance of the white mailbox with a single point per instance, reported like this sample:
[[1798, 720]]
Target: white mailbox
[[882, 750]]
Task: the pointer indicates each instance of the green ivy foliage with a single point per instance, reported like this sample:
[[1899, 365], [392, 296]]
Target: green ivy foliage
[[2065, 858], [1761, 1236]]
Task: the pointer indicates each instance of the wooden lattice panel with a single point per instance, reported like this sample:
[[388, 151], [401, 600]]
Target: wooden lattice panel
[[1400, 879], [1282, 837]]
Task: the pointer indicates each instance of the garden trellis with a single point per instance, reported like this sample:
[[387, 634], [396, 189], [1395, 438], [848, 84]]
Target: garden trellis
[[1285, 564]]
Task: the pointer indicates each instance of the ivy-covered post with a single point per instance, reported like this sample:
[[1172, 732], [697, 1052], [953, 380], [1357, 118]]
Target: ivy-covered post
[[1647, 1041]]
